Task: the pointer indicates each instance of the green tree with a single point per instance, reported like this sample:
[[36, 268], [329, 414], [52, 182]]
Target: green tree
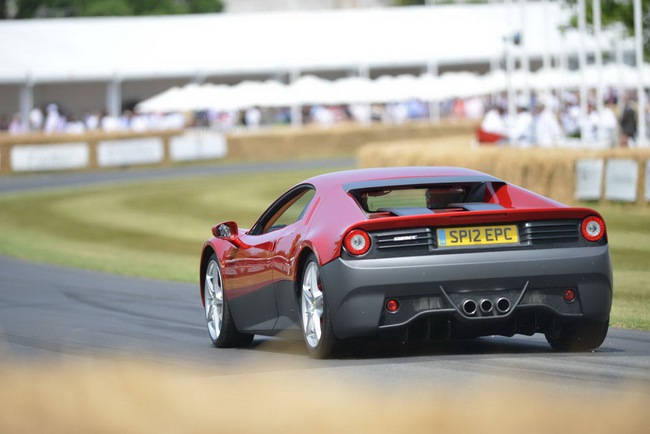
[[205, 6], [28, 8], [85, 8], [157, 7], [437, 2], [616, 14], [107, 8]]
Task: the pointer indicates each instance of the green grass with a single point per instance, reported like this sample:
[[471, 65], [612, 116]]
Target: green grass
[[629, 240], [157, 229], [147, 229]]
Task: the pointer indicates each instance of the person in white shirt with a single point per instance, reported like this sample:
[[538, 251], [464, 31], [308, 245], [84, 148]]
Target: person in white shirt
[[52, 119], [253, 117], [608, 126], [493, 128], [547, 127], [493, 121], [35, 119], [522, 128]]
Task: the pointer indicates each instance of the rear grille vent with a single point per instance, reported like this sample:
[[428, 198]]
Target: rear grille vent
[[408, 238], [549, 232]]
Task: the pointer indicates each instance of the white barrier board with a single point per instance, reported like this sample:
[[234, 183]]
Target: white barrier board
[[57, 156], [130, 151], [198, 145], [621, 179], [647, 181], [589, 178]]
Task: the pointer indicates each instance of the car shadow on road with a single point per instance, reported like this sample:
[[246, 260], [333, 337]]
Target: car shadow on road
[[382, 348], [379, 348]]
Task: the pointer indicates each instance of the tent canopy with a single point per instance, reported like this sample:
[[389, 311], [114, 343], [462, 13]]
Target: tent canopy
[[308, 90], [78, 49]]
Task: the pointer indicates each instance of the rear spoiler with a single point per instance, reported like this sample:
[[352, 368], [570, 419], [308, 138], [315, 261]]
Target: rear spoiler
[[415, 182]]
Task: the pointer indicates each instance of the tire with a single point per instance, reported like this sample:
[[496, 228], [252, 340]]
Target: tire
[[221, 327], [315, 320], [579, 336]]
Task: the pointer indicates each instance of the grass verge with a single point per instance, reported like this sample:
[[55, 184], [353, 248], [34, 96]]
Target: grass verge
[[156, 229], [629, 242]]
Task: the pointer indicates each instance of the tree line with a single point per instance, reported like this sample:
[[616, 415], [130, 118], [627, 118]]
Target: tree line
[[23, 9], [617, 14]]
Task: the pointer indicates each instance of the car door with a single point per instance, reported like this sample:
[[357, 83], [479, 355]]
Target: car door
[[284, 261], [254, 267], [249, 279]]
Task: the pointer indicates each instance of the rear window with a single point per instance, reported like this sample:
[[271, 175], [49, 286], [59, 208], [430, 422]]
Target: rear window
[[433, 198]]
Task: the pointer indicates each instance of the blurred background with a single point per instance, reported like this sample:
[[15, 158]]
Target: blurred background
[[575, 66]]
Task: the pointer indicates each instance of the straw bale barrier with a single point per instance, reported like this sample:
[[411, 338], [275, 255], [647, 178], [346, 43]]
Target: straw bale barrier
[[344, 139], [550, 172]]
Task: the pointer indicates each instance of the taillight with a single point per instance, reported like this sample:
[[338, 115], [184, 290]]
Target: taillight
[[593, 228], [392, 305], [569, 295], [357, 242]]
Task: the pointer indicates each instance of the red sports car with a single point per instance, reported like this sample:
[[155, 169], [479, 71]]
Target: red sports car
[[421, 252]]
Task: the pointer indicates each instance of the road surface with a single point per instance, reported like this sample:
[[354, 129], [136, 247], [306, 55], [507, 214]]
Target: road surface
[[49, 312]]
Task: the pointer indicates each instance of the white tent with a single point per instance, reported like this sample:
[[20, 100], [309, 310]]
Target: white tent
[[135, 48], [310, 90]]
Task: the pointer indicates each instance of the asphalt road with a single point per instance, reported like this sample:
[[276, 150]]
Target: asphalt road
[[49, 312]]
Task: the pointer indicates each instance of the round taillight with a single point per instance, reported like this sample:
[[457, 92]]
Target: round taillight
[[392, 305], [569, 295], [357, 242], [593, 228]]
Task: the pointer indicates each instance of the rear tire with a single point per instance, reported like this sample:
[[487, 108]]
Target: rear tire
[[579, 336], [315, 320], [221, 326]]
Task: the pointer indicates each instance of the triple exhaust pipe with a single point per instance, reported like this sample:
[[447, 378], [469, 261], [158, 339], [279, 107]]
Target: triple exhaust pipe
[[486, 306]]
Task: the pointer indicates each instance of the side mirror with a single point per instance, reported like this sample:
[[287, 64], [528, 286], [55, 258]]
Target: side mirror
[[230, 232]]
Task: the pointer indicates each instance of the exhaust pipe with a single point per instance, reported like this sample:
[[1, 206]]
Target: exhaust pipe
[[503, 305], [486, 305], [469, 307]]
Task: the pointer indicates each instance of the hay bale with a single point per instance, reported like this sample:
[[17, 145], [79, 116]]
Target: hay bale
[[342, 139]]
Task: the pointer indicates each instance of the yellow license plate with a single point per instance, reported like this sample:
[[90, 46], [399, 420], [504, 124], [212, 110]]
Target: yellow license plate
[[478, 236]]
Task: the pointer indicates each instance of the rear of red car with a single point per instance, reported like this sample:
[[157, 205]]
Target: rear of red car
[[468, 256]]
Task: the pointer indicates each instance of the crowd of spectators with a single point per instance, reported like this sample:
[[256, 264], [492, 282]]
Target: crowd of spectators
[[539, 121], [553, 121], [55, 120]]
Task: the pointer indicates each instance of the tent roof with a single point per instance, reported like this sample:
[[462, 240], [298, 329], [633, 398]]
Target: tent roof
[[78, 49]]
